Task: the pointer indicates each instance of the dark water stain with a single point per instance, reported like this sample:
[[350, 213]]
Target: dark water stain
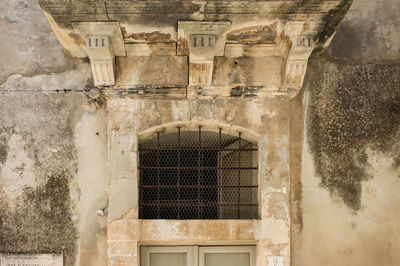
[[78, 40], [396, 162], [40, 221], [351, 109], [332, 20], [347, 44], [3, 149]]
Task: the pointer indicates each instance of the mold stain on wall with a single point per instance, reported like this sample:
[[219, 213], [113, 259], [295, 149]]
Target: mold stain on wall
[[3, 149], [352, 109], [38, 162], [41, 220]]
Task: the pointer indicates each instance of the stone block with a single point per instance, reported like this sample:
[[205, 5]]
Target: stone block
[[123, 261], [103, 72], [125, 229], [118, 248]]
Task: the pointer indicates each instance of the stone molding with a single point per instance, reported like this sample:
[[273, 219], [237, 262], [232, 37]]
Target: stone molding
[[219, 29], [103, 28], [265, 30], [103, 72], [302, 43], [103, 41], [201, 41]]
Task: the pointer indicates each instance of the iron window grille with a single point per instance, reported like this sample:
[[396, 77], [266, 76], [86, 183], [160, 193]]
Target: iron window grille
[[198, 175]]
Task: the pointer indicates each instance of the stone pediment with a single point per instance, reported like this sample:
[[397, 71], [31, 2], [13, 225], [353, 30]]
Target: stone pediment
[[196, 48]]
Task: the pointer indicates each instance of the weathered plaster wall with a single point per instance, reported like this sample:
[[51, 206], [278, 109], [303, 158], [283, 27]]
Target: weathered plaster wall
[[28, 44], [37, 166], [348, 209], [52, 144], [345, 196]]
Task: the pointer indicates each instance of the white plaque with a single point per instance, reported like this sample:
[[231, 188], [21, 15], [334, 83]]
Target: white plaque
[[25, 259], [275, 260]]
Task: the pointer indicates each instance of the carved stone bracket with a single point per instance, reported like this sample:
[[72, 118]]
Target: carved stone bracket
[[103, 41], [201, 41], [302, 43]]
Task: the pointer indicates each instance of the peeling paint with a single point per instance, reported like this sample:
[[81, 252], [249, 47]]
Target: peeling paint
[[254, 34], [3, 149], [78, 40], [154, 37]]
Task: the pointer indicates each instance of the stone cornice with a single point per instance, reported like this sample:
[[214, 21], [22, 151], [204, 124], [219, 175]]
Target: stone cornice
[[202, 31]]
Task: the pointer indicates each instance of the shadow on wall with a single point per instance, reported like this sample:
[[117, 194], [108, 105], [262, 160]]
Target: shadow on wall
[[370, 32]]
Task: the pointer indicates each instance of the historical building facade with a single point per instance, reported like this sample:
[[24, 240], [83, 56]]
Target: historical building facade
[[185, 135], [197, 69]]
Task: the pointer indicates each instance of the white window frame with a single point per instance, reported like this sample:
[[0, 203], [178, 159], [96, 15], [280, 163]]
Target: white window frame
[[227, 249], [145, 253], [195, 255]]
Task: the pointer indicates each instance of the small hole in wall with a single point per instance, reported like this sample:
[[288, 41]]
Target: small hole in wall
[[235, 62], [97, 133]]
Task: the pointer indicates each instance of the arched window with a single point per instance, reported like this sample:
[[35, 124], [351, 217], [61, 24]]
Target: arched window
[[198, 175]]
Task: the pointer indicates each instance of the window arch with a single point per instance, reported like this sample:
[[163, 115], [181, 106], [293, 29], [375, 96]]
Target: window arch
[[198, 174]]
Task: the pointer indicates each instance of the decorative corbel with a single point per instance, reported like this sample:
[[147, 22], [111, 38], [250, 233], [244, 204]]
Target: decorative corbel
[[303, 40], [103, 41], [201, 41]]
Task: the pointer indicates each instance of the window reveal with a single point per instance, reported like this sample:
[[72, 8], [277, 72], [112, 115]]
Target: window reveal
[[198, 175]]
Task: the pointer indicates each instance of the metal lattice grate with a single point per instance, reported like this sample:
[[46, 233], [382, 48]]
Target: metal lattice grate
[[198, 175]]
